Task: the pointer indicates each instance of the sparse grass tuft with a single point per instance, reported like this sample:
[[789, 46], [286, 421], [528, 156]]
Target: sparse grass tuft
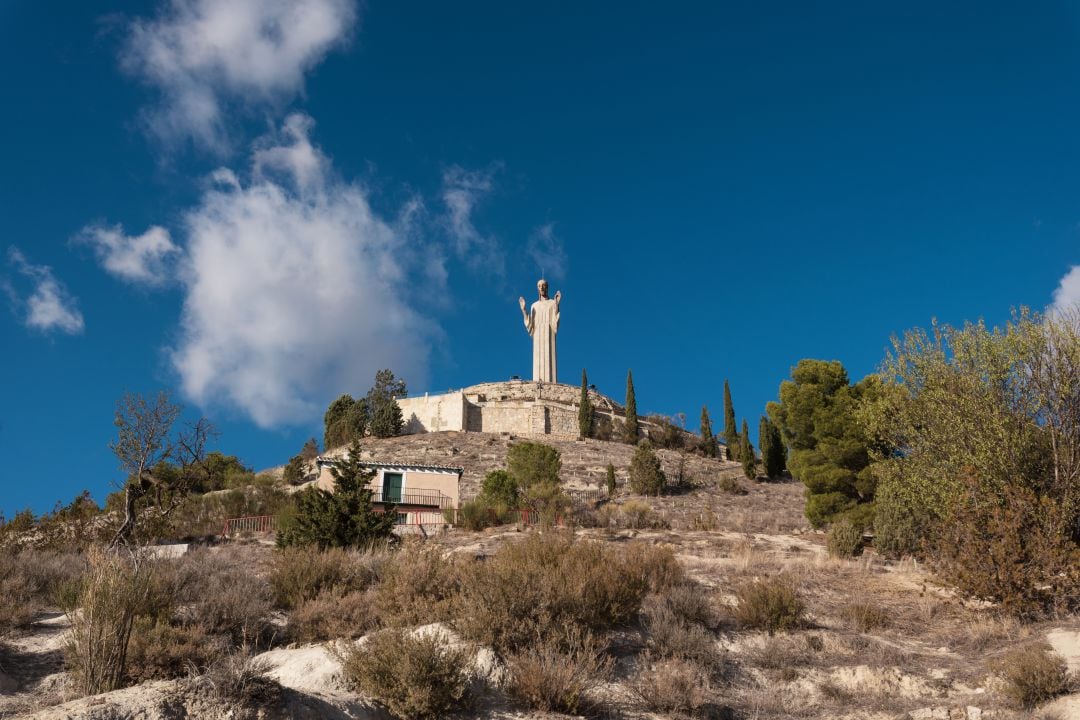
[[864, 617]]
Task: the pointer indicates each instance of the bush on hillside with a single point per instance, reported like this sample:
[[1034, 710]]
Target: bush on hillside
[[500, 488], [771, 604], [300, 574], [556, 676], [646, 475], [532, 463], [845, 539], [415, 675], [1033, 675], [551, 582]]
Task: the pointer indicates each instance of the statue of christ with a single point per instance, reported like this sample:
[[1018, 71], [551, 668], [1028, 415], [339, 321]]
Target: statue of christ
[[542, 322]]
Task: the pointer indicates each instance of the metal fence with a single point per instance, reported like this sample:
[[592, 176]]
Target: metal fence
[[250, 524]]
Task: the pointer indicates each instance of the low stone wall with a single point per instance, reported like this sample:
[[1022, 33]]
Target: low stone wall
[[517, 407]]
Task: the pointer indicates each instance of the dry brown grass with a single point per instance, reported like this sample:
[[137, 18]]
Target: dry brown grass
[[333, 615], [864, 617], [418, 584]]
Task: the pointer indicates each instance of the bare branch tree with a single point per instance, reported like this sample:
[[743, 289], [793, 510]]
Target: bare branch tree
[[146, 442]]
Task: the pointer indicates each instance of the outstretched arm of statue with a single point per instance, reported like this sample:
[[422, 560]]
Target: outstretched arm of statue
[[525, 315]]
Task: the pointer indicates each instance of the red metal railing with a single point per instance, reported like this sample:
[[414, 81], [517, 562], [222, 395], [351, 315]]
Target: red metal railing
[[250, 524]]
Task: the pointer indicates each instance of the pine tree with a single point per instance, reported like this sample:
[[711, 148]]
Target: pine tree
[[630, 429], [708, 440], [343, 518], [310, 451], [610, 480], [746, 453], [731, 431], [772, 448], [585, 409]]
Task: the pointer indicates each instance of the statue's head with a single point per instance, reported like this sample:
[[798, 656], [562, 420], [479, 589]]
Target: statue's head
[[542, 288]]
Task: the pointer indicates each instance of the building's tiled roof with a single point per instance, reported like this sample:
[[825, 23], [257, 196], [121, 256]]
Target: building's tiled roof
[[321, 460]]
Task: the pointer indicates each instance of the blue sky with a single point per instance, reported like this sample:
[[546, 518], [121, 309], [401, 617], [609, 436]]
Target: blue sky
[[257, 204]]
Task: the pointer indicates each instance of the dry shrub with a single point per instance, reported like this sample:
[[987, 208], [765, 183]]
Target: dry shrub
[[1032, 675], [770, 604], [671, 637], [224, 596], [300, 574], [672, 687], [557, 675], [239, 679], [639, 515], [845, 539], [33, 580], [781, 653], [551, 581], [1011, 549], [731, 486], [414, 675], [115, 591], [691, 602], [333, 615], [864, 617], [160, 650], [417, 586]]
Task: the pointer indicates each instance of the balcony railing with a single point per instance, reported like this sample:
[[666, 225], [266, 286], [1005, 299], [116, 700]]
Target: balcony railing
[[414, 496]]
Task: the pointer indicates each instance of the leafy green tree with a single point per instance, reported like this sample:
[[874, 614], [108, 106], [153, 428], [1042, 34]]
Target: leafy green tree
[[709, 446], [746, 453], [532, 463], [630, 429], [146, 441], [828, 447], [345, 517], [772, 449], [646, 474], [500, 488], [345, 420], [585, 409], [731, 430], [611, 480], [385, 417]]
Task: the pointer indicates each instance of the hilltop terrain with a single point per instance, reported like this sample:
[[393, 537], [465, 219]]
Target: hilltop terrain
[[877, 639]]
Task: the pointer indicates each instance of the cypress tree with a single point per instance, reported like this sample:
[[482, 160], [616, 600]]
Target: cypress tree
[[631, 427], [746, 453], [772, 448], [610, 480], [731, 431], [708, 440], [585, 409]]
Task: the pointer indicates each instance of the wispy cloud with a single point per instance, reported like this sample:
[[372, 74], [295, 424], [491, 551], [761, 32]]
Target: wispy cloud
[[206, 57], [547, 251], [49, 306], [462, 191], [1067, 294], [138, 259], [295, 289]]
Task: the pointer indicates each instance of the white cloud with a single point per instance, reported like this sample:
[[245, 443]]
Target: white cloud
[[1067, 294], [205, 55], [141, 259], [296, 290], [50, 306], [462, 191], [547, 251]]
